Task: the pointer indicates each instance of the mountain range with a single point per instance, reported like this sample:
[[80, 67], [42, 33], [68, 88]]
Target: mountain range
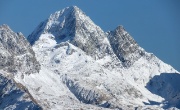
[[68, 62]]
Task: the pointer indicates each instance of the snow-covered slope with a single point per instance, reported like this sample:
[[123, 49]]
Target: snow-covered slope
[[14, 96], [88, 80], [82, 67], [83, 77]]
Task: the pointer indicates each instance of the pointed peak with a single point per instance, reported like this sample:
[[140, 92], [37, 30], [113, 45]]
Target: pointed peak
[[120, 28], [5, 26], [74, 7], [71, 11], [64, 23]]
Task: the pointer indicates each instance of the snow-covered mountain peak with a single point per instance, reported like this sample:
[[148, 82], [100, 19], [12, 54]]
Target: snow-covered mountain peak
[[120, 28], [65, 15], [67, 11], [61, 24], [4, 26], [72, 25], [5, 29], [79, 66], [124, 46], [16, 54]]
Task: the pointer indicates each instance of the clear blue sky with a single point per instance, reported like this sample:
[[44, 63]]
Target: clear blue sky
[[154, 24]]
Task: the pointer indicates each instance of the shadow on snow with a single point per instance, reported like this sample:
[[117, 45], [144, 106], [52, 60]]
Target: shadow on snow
[[166, 85]]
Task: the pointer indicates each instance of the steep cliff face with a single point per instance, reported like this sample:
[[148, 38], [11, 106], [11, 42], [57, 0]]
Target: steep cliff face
[[16, 54], [124, 46]]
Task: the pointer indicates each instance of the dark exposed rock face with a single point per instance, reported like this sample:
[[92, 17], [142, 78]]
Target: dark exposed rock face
[[124, 46], [16, 55]]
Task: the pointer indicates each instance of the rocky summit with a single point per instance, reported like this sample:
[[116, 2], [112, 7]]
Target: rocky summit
[[16, 54], [71, 63]]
